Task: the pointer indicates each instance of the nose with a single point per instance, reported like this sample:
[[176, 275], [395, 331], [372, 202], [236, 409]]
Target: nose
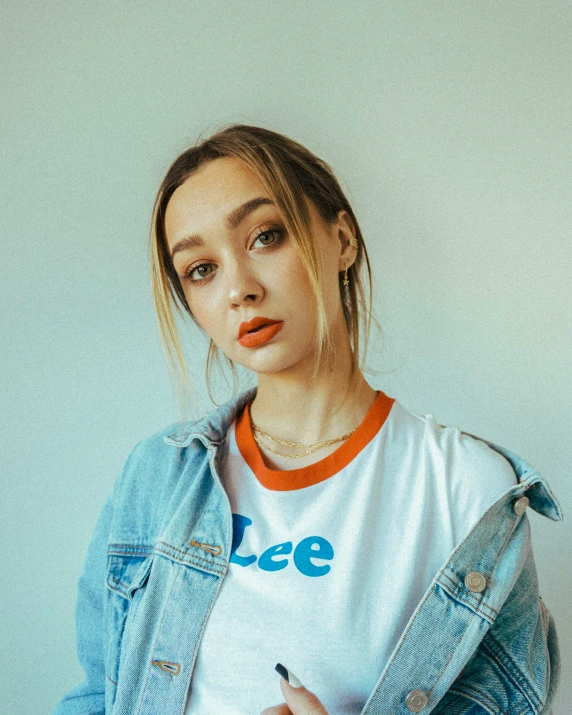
[[243, 285]]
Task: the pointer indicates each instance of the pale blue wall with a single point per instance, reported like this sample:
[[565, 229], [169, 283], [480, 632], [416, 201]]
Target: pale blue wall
[[450, 124]]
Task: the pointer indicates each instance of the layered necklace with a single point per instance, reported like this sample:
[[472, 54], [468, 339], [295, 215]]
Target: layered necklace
[[313, 447]]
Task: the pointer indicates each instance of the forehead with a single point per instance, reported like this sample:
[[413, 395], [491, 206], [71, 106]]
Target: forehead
[[221, 175], [209, 194]]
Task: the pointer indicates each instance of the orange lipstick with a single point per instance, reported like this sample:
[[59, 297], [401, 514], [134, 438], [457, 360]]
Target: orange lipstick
[[261, 335]]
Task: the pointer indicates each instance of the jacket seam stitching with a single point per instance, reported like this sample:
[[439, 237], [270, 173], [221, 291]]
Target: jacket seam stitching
[[189, 562], [128, 549], [113, 581], [458, 643], [112, 587], [503, 660], [185, 553], [496, 563], [400, 646], [477, 697], [118, 582], [195, 649], [477, 606], [187, 559], [150, 667]]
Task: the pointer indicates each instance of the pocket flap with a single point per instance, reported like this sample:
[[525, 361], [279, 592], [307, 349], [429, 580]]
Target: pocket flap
[[127, 572]]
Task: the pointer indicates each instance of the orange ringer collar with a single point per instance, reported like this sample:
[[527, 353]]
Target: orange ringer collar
[[288, 480]]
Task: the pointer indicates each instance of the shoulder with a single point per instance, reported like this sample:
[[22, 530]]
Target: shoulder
[[463, 473], [170, 444], [463, 459], [153, 469], [155, 451]]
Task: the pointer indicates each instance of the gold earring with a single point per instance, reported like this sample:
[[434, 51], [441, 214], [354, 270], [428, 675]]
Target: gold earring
[[346, 281]]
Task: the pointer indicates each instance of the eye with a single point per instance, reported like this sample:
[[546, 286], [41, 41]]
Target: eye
[[265, 234], [196, 268], [276, 234]]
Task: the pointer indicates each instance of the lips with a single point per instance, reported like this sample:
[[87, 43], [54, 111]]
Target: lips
[[261, 336], [254, 323]]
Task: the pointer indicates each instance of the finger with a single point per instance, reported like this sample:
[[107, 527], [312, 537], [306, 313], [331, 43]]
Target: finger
[[301, 701], [281, 709]]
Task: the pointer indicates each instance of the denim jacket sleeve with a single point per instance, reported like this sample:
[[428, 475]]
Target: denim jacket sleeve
[[516, 667], [88, 698]]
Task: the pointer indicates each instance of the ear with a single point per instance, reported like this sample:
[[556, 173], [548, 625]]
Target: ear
[[346, 234]]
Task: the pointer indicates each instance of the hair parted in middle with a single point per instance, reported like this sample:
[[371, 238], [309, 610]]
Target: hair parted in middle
[[291, 175]]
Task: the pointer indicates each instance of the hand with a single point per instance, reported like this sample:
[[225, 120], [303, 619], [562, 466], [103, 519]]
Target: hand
[[299, 701]]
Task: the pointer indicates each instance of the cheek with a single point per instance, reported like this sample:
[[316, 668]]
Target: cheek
[[198, 310], [294, 274], [209, 313]]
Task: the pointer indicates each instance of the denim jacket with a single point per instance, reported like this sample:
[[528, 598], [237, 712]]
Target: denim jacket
[[481, 640]]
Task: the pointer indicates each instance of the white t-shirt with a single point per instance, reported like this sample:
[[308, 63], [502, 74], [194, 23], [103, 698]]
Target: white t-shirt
[[330, 561]]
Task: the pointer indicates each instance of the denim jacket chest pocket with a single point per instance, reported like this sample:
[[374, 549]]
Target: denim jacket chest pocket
[[128, 570]]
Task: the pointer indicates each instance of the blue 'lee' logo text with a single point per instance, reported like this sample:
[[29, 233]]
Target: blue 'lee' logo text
[[312, 547]]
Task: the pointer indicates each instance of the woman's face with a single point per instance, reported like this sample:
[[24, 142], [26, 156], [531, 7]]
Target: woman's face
[[248, 267]]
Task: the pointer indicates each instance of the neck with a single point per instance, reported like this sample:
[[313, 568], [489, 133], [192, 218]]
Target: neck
[[294, 410]]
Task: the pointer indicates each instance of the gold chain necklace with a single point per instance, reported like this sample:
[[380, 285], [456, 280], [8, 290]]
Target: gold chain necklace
[[316, 446]]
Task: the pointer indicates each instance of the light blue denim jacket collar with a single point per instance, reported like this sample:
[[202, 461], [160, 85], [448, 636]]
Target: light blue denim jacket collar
[[212, 428]]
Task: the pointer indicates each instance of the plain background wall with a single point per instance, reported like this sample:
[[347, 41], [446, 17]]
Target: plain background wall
[[449, 124]]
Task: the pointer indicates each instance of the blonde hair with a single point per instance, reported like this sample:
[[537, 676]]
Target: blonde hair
[[291, 174]]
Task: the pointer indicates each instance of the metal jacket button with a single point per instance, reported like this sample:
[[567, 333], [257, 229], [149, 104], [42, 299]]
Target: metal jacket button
[[520, 505], [416, 700], [475, 581]]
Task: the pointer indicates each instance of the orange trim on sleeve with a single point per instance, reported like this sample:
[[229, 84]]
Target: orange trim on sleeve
[[287, 480]]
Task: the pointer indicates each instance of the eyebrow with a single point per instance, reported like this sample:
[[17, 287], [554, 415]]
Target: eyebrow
[[234, 218]]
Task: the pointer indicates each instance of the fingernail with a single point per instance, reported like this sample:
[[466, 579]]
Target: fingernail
[[288, 675]]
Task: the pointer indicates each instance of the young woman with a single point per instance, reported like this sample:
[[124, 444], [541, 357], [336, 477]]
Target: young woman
[[312, 524]]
